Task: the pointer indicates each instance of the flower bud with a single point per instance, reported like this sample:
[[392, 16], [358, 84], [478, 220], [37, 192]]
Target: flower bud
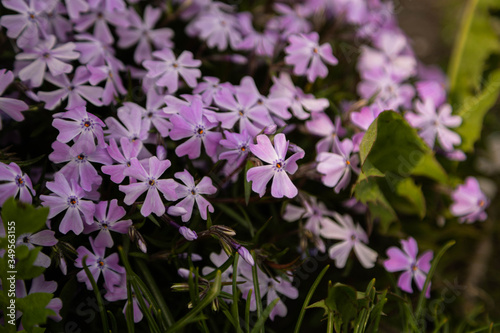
[[188, 234], [161, 152], [245, 254]]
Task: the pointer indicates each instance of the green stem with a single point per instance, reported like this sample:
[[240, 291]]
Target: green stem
[[234, 305], [421, 298], [329, 328], [257, 287], [308, 298], [102, 310], [169, 319], [458, 47]]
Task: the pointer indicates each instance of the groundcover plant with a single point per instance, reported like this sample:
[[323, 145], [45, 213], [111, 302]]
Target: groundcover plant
[[246, 166]]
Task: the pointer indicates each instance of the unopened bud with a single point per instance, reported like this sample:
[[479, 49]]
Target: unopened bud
[[245, 254], [271, 129], [161, 152], [222, 228], [188, 234]]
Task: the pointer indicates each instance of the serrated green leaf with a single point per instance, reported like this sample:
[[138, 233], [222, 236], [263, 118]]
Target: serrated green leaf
[[34, 310]]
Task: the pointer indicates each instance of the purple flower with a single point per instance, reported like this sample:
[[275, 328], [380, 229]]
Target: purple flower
[[193, 123], [75, 7], [100, 18], [142, 32], [113, 86], [153, 115], [262, 43], [432, 124], [68, 196], [293, 20], [316, 215], [210, 87], [269, 287], [81, 127], [107, 220], [407, 261], [351, 236], [322, 125], [237, 145], [149, 181], [278, 168], [45, 55], [217, 28], [58, 23], [167, 71], [191, 193], [245, 108], [336, 167], [97, 264], [120, 293], [133, 129], [41, 238], [227, 276], [28, 25], [284, 87], [307, 56], [12, 107], [469, 202], [96, 52], [79, 167], [75, 91], [129, 149], [14, 181]]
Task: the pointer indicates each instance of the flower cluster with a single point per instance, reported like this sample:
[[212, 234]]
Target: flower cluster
[[143, 130]]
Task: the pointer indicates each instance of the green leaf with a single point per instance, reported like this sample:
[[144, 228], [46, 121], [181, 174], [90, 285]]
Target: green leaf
[[102, 310], [430, 168], [474, 109], [476, 40], [265, 314], [368, 192], [25, 268], [34, 310], [342, 301], [412, 194], [379, 146], [27, 218]]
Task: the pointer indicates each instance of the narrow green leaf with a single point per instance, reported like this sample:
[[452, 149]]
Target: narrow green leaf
[[256, 286], [212, 293], [114, 325], [308, 298], [259, 325], [247, 184], [435, 261], [102, 310], [234, 304]]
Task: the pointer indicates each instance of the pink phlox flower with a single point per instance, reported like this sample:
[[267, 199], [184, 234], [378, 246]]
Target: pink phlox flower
[[469, 202], [262, 44], [192, 123], [81, 127], [219, 29], [414, 268], [107, 220], [68, 196], [11, 106], [44, 55], [27, 26], [120, 293], [244, 107], [299, 101], [167, 70], [132, 127], [97, 264], [337, 167], [40, 285], [153, 115], [278, 168], [293, 20], [149, 180], [321, 125], [236, 147], [113, 87], [129, 150], [434, 123], [392, 50], [99, 18], [191, 193], [314, 213], [352, 237], [209, 87], [79, 167], [15, 182], [41, 238], [142, 32], [269, 287], [308, 57], [75, 91]]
